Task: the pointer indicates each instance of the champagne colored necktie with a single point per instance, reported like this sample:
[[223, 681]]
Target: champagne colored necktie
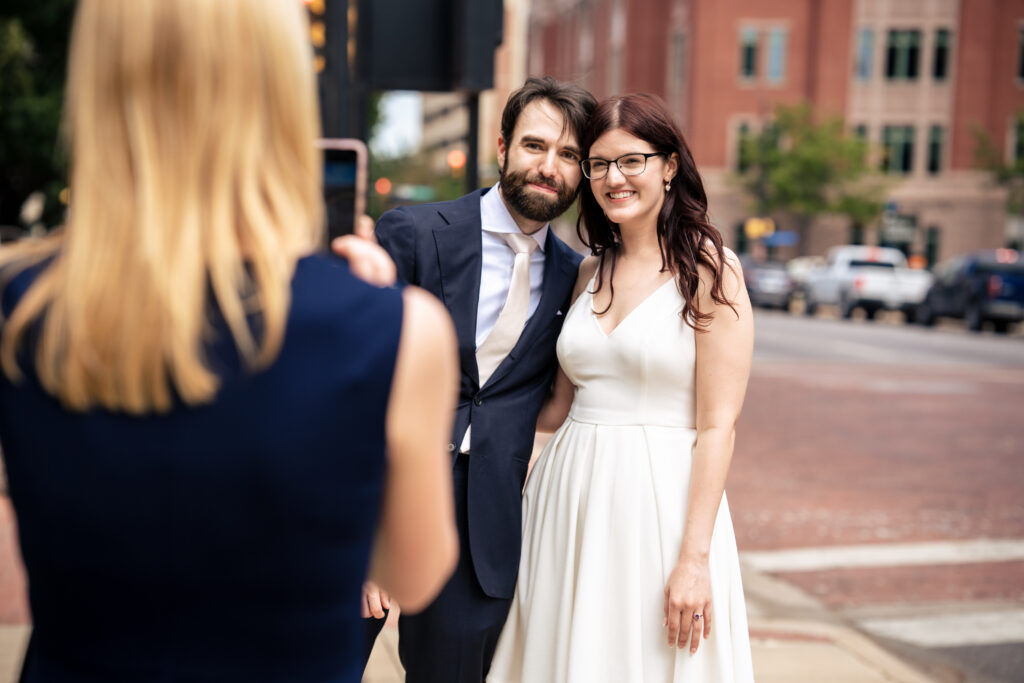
[[512, 318]]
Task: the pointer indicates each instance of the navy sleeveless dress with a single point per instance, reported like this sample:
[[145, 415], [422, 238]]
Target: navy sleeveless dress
[[224, 542]]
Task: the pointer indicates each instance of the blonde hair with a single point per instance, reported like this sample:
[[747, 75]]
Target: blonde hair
[[191, 126]]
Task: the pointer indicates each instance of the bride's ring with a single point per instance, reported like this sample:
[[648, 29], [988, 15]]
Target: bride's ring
[[697, 617]]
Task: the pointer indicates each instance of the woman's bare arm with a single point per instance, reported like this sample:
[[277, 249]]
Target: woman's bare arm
[[724, 353], [556, 408], [418, 539]]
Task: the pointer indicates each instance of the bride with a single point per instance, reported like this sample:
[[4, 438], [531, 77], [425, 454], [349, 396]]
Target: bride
[[629, 567]]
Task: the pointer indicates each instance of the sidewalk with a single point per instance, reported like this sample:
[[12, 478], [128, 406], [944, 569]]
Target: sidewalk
[[794, 639]]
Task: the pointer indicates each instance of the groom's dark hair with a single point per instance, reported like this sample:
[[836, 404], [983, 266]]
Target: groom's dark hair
[[575, 103]]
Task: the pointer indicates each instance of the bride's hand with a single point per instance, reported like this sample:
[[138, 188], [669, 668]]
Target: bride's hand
[[688, 603]]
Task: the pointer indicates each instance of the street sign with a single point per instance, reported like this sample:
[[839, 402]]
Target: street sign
[[898, 228], [782, 238]]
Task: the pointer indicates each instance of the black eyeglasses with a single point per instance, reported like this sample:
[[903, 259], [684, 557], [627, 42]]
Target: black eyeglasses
[[634, 163]]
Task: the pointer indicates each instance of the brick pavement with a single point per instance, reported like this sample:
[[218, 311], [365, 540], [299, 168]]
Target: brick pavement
[[830, 455], [833, 454], [842, 588]]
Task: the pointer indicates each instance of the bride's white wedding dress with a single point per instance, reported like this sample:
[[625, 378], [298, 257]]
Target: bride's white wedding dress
[[603, 517]]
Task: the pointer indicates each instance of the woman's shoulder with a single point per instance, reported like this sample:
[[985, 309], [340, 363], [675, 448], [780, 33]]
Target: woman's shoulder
[[728, 256], [324, 286], [587, 269], [332, 277]]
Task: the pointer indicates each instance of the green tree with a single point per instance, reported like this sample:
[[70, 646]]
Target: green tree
[[803, 169], [1009, 174], [33, 56], [410, 170]]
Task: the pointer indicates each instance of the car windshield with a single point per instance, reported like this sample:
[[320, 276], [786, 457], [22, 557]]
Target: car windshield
[[872, 264]]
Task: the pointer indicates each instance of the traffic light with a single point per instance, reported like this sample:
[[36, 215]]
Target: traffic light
[[332, 33], [429, 45], [317, 32]]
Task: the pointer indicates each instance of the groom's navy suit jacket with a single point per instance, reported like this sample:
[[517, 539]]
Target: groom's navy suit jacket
[[438, 247]]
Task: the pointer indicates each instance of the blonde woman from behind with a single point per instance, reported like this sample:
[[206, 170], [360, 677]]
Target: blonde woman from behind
[[194, 406]]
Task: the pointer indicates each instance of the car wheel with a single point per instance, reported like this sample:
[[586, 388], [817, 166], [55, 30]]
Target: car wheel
[[869, 312], [1002, 326], [845, 307], [974, 318], [924, 315]]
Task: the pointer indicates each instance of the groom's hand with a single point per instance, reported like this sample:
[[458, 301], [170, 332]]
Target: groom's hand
[[375, 601], [367, 260]]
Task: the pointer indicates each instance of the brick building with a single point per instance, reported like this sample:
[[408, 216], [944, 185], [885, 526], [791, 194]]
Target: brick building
[[917, 78]]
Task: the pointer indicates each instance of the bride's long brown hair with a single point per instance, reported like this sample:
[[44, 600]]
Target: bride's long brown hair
[[685, 235]]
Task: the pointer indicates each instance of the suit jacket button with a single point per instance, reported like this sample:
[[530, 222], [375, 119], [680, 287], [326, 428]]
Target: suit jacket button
[[478, 401], [451, 448]]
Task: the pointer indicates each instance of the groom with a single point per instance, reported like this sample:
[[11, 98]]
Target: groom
[[506, 280]]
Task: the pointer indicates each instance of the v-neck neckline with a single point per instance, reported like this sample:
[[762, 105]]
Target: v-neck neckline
[[597, 321]]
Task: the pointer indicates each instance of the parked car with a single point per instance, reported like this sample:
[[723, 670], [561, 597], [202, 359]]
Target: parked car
[[872, 278], [768, 283], [980, 287], [799, 270]]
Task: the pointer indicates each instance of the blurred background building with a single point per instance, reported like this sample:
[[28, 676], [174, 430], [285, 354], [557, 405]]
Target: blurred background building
[[920, 80], [929, 85]]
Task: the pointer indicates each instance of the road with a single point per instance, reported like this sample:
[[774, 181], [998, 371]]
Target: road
[[879, 468]]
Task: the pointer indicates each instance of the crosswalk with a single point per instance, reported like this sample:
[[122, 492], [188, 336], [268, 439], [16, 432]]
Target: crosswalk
[[966, 627], [924, 625], [886, 555]]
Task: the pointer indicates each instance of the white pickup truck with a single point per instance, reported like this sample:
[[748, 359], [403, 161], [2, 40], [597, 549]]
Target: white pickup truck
[[872, 278]]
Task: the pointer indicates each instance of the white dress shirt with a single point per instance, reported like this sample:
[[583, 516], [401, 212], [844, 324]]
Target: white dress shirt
[[496, 269], [498, 259]]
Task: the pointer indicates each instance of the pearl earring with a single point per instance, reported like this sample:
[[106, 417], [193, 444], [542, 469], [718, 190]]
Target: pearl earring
[[668, 185]]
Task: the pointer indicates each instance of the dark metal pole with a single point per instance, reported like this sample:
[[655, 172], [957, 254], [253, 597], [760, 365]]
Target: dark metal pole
[[473, 141]]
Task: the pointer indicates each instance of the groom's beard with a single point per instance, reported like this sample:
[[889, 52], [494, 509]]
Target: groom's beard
[[534, 205]]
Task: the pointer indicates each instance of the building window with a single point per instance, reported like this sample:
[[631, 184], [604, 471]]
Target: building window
[[741, 241], [856, 233], [931, 245], [677, 73], [616, 57], [861, 132], [615, 69], [1018, 138], [935, 150], [585, 44], [1020, 54], [748, 53], [865, 53], [898, 142], [940, 67], [902, 55], [776, 55]]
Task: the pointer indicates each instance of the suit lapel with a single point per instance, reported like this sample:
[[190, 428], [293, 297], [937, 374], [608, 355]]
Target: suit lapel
[[559, 276], [459, 261]]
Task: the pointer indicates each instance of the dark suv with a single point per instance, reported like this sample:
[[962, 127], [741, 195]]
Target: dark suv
[[980, 287]]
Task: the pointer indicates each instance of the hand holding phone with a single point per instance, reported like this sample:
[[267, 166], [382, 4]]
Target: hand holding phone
[[367, 260], [345, 170]]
